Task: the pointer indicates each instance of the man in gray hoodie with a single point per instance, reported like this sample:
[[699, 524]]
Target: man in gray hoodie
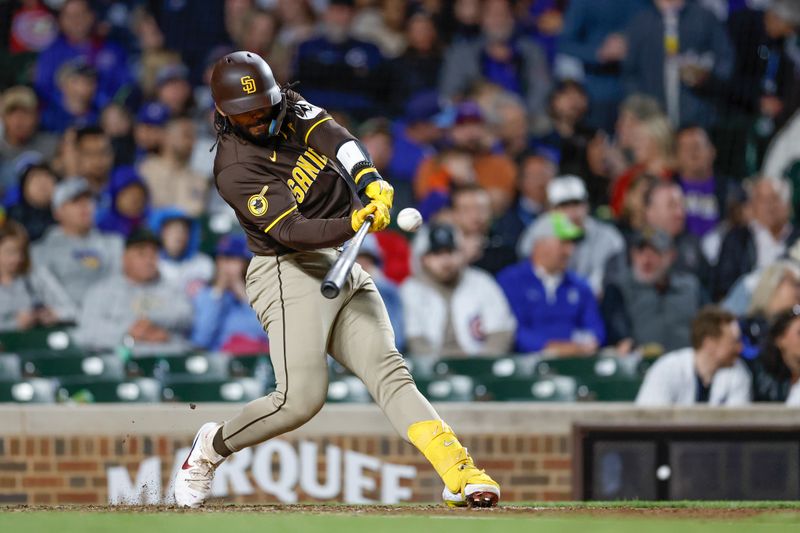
[[74, 252], [601, 241], [137, 308]]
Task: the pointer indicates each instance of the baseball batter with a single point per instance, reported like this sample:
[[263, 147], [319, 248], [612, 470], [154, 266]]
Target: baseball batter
[[301, 185]]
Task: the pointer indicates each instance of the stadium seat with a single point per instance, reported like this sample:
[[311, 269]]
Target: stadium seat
[[588, 367], [210, 365], [348, 389], [255, 365], [107, 366], [91, 390], [447, 388], [550, 389], [614, 389], [10, 367], [479, 367], [38, 341], [35, 390], [421, 367], [197, 389]]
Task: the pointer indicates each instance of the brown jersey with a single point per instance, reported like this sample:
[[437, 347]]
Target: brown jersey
[[290, 194]]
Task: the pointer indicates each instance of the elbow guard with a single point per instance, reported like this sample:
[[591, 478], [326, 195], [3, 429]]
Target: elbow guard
[[352, 155]]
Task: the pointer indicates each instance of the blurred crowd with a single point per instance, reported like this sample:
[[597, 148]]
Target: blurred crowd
[[594, 175]]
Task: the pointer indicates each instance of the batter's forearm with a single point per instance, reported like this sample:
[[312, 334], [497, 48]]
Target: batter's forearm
[[300, 233]]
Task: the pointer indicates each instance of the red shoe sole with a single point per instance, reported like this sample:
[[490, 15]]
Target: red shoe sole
[[482, 500]]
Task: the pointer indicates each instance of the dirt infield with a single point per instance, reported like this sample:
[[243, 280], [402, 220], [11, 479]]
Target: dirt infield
[[680, 510]]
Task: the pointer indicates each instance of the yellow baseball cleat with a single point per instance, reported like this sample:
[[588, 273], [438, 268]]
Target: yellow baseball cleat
[[465, 484]]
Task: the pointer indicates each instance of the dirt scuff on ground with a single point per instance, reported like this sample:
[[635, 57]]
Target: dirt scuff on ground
[[508, 510]]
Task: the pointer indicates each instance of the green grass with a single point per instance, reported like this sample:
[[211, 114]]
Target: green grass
[[228, 520]]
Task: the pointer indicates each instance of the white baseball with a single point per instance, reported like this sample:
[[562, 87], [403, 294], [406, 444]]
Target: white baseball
[[409, 219]]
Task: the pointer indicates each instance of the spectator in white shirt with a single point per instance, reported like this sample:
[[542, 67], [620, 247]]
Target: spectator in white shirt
[[710, 372]]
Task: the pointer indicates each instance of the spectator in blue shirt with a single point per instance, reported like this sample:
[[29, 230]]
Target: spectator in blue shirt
[[339, 72], [555, 309], [148, 132], [78, 40], [679, 53], [415, 135], [370, 257], [74, 106], [223, 318], [500, 56], [594, 36]]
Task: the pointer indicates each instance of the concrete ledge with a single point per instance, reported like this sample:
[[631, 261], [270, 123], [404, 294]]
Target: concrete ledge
[[353, 420]]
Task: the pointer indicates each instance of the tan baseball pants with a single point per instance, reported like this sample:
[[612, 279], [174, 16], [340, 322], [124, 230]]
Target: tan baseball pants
[[304, 327]]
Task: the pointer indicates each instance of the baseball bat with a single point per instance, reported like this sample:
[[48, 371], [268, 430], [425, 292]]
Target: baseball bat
[[336, 276]]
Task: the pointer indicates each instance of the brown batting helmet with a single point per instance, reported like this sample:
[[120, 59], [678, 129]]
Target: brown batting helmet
[[243, 82]]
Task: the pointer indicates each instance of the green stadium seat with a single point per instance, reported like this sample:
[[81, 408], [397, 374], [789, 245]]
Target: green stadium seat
[[206, 365], [190, 388], [451, 388], [480, 367], [107, 366], [213, 228], [614, 389], [588, 367], [550, 389], [35, 390], [38, 341], [10, 367], [91, 390], [348, 389], [421, 367], [255, 365]]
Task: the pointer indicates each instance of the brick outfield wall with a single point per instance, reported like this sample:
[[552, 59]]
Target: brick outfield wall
[[57, 470]]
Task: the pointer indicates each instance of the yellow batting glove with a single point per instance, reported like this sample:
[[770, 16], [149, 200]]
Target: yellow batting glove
[[382, 216], [360, 215], [380, 191]]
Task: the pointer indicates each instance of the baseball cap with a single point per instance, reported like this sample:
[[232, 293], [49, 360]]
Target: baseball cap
[[169, 73], [78, 66], [554, 224], [142, 236], [441, 237], [19, 97], [423, 107], [233, 246], [68, 190], [468, 112], [153, 113], [565, 189], [653, 238]]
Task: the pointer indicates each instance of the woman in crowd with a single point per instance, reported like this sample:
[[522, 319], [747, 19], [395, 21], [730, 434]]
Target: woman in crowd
[[28, 297], [760, 297], [777, 370], [653, 153], [29, 203]]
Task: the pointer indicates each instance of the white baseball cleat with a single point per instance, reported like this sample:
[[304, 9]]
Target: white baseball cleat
[[193, 480]]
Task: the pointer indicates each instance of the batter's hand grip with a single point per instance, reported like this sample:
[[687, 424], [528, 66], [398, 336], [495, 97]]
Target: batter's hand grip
[[337, 275]]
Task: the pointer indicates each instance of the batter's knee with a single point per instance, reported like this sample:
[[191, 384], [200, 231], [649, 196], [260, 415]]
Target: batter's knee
[[301, 404]]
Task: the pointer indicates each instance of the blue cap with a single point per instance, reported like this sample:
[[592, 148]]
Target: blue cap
[[233, 246], [423, 108], [153, 113]]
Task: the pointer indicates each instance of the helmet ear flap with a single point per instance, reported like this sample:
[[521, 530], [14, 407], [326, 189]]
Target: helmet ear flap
[[276, 123]]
